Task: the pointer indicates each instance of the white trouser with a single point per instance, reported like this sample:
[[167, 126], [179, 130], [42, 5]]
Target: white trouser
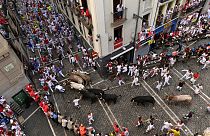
[[120, 82]]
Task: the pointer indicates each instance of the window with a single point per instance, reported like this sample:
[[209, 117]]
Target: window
[[84, 4], [118, 32], [145, 22], [115, 3], [118, 40]]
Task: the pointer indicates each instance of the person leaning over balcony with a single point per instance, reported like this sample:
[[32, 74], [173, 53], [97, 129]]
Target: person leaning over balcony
[[119, 9]]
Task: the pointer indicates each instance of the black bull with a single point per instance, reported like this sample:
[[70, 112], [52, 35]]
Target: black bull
[[143, 100], [89, 95]]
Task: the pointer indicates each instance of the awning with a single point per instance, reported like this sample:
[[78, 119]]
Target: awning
[[118, 55]]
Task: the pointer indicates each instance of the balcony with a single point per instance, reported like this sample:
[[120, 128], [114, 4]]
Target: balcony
[[119, 17], [86, 21], [75, 8], [191, 9], [118, 43]]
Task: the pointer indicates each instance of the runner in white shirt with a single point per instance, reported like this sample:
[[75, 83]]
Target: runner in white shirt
[[90, 118], [187, 75], [119, 69], [167, 126], [130, 70], [135, 81], [125, 68], [76, 102]]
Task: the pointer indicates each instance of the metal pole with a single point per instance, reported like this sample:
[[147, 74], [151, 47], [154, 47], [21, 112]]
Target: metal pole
[[134, 40]]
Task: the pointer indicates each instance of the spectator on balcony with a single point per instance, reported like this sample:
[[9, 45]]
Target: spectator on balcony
[[169, 13], [119, 9]]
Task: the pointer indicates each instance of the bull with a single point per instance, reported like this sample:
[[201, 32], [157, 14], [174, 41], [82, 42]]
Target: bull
[[97, 92], [84, 76], [74, 85], [179, 98], [89, 95], [76, 78], [143, 99], [108, 98]]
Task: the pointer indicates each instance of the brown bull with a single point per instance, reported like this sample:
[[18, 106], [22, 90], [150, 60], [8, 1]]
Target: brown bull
[[76, 78], [84, 76], [179, 98]]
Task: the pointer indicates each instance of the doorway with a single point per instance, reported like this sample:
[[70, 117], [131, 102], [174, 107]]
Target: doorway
[[22, 99], [115, 3], [118, 32], [145, 22]]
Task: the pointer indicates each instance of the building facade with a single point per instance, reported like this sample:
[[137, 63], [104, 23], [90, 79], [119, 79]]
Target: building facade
[[107, 27], [12, 75], [102, 26], [13, 58]]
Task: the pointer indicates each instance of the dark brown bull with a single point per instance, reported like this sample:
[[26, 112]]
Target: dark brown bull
[[84, 76]]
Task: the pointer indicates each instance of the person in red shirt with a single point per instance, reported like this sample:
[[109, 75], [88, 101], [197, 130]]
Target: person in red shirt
[[29, 88], [195, 76], [46, 89], [116, 128], [82, 130], [109, 65]]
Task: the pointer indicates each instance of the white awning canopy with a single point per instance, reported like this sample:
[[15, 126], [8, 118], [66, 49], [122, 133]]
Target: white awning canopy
[[118, 55]]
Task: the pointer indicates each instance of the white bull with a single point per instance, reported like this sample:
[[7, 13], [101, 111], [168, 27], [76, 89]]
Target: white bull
[[179, 98], [77, 86]]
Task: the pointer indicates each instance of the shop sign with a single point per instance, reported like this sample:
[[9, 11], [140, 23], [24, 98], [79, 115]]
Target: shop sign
[[8, 67]]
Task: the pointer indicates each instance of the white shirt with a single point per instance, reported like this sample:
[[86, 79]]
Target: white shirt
[[59, 87], [119, 8], [76, 102], [167, 77], [90, 116], [167, 125], [64, 122], [119, 68], [125, 69], [130, 68], [188, 73], [135, 79]]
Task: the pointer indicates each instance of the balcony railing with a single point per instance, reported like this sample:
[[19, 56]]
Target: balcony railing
[[119, 17], [75, 8], [86, 21], [193, 8], [118, 43]]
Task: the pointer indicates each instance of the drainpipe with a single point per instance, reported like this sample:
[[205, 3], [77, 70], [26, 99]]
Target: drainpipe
[[134, 40]]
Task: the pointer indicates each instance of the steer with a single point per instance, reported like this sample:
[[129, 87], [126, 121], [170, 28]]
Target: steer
[[77, 86], [76, 78], [84, 76], [89, 95], [179, 98], [109, 97], [143, 99]]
